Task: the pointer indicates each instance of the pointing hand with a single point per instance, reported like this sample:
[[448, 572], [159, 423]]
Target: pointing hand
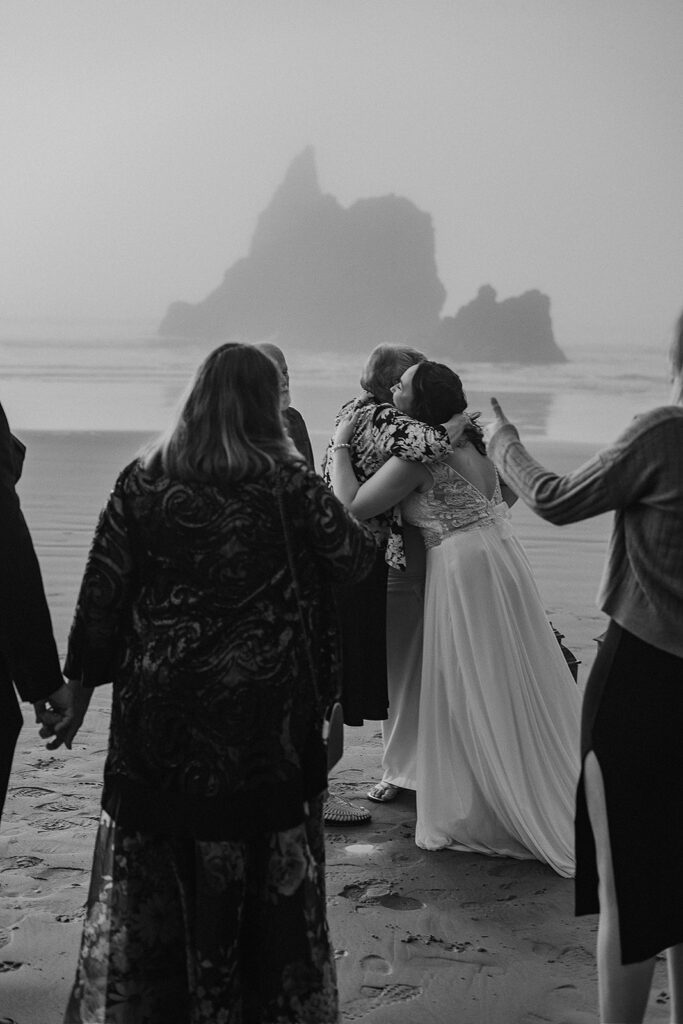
[[499, 420]]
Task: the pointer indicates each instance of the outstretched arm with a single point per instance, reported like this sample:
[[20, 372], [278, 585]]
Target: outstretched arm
[[613, 478]]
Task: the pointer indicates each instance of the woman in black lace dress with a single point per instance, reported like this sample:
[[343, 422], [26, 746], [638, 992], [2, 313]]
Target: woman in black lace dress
[[207, 899]]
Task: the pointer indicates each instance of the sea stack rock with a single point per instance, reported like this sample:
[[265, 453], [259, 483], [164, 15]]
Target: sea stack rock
[[518, 329], [322, 276]]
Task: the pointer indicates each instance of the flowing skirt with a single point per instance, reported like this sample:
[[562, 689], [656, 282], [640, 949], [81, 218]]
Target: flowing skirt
[[181, 931], [498, 745]]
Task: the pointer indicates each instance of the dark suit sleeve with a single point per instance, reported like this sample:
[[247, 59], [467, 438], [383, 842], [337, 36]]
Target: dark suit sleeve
[[27, 645], [299, 435]]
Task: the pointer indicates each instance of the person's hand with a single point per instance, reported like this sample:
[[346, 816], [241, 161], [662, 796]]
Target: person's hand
[[364, 398], [499, 420], [455, 426], [346, 427], [81, 699], [55, 715], [63, 725]]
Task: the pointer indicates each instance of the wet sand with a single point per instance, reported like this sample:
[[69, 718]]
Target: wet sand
[[421, 938]]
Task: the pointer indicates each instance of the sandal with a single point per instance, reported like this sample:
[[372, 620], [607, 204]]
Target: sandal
[[340, 812], [383, 792]]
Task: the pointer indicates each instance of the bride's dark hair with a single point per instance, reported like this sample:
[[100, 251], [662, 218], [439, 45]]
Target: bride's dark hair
[[437, 395]]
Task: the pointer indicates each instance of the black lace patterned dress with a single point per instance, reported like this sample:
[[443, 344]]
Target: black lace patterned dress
[[207, 899]]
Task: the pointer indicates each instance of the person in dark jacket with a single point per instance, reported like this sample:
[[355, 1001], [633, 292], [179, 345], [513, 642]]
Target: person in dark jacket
[[294, 421], [28, 653], [206, 602]]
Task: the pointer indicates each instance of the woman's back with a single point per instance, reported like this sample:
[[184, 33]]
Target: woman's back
[[451, 505], [463, 491], [212, 799], [474, 467], [193, 616]]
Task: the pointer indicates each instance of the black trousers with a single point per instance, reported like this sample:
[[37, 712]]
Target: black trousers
[[10, 727], [363, 618]]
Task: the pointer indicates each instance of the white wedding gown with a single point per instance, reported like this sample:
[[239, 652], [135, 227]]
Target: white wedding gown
[[498, 737]]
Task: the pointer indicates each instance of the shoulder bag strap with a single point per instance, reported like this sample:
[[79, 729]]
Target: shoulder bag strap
[[297, 589]]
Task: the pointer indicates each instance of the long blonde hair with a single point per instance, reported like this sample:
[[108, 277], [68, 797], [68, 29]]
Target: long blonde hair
[[228, 425]]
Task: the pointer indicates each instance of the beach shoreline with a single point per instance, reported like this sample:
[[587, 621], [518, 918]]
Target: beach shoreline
[[69, 474], [420, 937]]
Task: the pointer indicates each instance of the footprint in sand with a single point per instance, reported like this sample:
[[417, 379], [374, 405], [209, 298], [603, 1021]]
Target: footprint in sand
[[377, 893], [21, 863], [376, 964], [406, 858], [54, 826], [576, 955], [545, 949], [374, 998], [394, 901], [68, 918], [29, 791], [61, 806]]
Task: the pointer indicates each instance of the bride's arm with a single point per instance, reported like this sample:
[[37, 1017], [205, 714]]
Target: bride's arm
[[389, 485]]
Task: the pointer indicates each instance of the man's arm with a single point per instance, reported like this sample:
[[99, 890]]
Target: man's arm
[[26, 636], [299, 435]]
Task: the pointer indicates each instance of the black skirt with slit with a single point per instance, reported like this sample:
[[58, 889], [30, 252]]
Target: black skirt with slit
[[633, 722]]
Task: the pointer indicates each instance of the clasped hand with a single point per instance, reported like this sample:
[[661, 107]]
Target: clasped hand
[[60, 716]]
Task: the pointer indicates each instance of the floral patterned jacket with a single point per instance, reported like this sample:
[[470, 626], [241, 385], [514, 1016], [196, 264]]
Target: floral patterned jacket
[[381, 432], [188, 606]]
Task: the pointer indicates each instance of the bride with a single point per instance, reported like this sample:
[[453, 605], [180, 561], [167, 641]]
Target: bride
[[498, 732]]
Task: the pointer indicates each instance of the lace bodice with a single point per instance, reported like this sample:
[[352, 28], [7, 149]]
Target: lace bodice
[[453, 504]]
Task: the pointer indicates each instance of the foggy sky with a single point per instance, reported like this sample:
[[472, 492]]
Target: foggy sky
[[141, 139]]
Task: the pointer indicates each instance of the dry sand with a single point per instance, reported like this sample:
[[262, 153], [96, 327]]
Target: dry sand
[[421, 938]]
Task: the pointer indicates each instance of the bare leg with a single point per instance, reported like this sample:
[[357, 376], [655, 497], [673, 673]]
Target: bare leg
[[623, 990], [675, 964]]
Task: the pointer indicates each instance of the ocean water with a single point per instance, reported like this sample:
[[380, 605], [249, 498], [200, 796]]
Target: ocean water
[[114, 377]]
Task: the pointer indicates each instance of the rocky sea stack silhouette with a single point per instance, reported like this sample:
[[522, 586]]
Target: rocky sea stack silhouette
[[325, 277], [486, 330]]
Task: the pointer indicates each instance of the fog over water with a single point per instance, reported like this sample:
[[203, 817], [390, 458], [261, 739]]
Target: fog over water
[[141, 140], [131, 380]]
